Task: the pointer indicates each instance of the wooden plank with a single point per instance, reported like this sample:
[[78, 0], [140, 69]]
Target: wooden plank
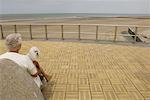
[[62, 32], [2, 34], [30, 31], [97, 32], [15, 28], [115, 36], [45, 26]]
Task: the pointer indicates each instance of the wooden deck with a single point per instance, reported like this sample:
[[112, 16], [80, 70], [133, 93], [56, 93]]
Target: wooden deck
[[84, 71]]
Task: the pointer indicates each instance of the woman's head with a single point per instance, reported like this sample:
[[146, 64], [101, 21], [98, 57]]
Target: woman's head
[[13, 42]]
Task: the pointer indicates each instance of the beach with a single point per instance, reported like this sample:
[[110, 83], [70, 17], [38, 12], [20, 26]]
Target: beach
[[70, 31], [135, 20]]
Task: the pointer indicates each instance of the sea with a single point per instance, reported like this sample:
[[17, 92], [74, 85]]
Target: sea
[[64, 15]]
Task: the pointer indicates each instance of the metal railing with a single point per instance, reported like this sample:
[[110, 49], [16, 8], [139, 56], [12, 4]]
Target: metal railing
[[132, 33]]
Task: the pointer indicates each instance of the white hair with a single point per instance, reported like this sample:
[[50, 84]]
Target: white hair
[[13, 40]]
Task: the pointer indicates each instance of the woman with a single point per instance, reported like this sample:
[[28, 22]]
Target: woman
[[13, 44]]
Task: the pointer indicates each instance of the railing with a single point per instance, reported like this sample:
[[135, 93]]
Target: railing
[[97, 33], [134, 34]]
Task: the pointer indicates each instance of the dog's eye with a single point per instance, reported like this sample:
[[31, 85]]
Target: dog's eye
[[35, 51]]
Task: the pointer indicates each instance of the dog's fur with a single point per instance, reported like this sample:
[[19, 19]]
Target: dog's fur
[[34, 53]]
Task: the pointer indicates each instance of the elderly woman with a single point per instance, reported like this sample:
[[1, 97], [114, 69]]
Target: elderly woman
[[13, 43]]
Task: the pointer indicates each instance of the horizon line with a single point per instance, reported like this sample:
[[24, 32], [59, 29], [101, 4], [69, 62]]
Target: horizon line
[[79, 13]]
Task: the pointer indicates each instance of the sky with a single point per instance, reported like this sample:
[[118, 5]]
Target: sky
[[75, 6]]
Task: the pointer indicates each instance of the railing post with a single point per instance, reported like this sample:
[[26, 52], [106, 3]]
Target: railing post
[[115, 36], [15, 28], [46, 32], [135, 37], [97, 32], [2, 35], [79, 31], [31, 32], [62, 32]]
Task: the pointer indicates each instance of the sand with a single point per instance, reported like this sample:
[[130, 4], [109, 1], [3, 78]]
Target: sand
[[71, 32], [109, 20]]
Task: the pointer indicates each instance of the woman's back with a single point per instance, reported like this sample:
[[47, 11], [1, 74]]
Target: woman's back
[[17, 84]]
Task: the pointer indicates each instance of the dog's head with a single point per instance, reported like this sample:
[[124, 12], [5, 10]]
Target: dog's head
[[34, 53]]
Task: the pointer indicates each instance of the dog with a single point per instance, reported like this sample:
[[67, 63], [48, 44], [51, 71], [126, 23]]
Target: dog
[[34, 54]]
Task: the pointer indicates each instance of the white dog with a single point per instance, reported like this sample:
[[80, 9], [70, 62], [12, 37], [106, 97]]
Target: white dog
[[34, 53]]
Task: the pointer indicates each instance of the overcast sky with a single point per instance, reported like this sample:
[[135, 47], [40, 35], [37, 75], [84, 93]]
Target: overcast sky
[[75, 6]]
